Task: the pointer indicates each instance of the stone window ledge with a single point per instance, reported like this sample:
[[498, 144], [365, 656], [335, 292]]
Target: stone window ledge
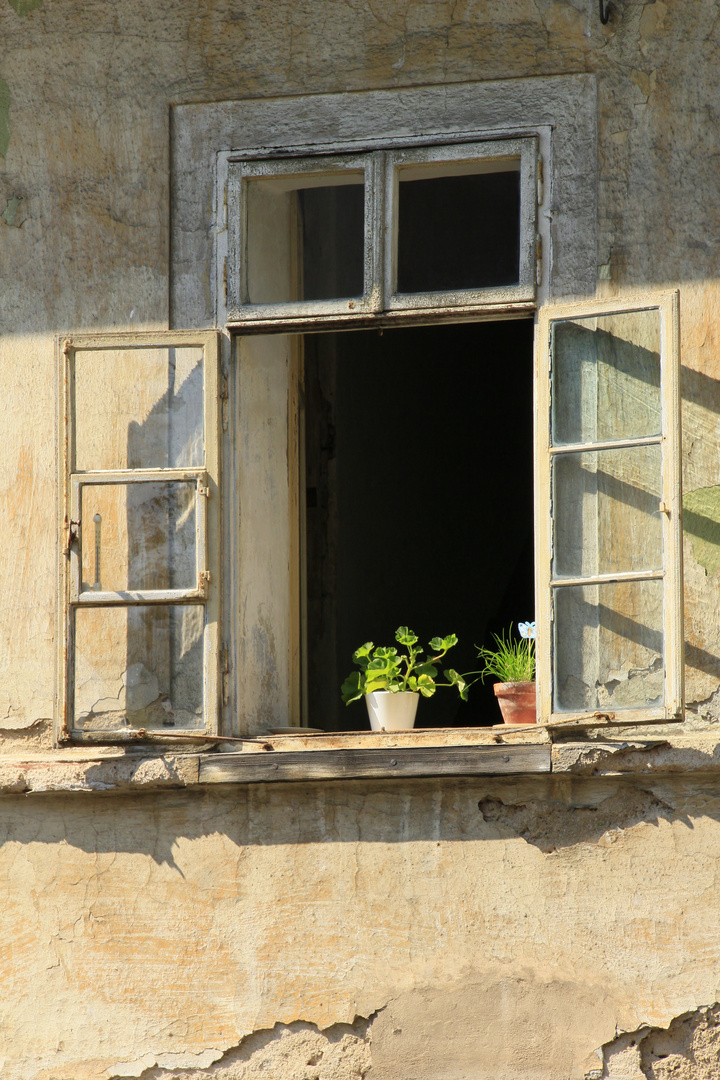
[[431, 753]]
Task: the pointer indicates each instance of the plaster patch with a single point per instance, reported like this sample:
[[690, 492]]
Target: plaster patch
[[701, 520]]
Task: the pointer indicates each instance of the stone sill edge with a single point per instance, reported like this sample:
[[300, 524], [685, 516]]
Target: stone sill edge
[[696, 754]]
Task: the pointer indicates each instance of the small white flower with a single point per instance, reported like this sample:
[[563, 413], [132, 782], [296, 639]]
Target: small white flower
[[527, 629]]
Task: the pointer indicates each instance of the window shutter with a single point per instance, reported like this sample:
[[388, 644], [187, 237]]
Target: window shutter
[[609, 600]]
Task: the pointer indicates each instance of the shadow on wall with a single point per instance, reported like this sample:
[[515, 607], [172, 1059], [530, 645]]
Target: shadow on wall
[[348, 812]]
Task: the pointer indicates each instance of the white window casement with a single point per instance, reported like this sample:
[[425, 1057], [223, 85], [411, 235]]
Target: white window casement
[[608, 533], [340, 265], [138, 563]]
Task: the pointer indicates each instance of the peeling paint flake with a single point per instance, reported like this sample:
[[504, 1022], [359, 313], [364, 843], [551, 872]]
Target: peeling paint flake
[[10, 214]]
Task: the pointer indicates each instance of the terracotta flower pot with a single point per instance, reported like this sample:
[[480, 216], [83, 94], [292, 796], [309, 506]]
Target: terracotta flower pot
[[517, 702]]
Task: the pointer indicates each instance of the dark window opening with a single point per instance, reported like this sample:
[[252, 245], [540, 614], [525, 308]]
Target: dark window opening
[[419, 507], [333, 228], [459, 232]]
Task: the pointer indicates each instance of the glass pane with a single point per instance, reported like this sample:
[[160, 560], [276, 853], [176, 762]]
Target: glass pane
[[139, 667], [606, 511], [305, 237], [608, 647], [138, 408], [458, 227], [606, 377], [139, 536]]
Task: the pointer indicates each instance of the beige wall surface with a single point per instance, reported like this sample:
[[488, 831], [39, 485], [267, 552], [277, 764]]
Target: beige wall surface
[[456, 929], [423, 930]]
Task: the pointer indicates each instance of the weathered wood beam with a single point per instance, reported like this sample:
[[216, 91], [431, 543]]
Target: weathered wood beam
[[354, 764]]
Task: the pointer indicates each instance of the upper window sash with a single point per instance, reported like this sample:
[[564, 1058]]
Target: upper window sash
[[333, 236], [514, 163], [138, 558], [268, 264], [608, 532]]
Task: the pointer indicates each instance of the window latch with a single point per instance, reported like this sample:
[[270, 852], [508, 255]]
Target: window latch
[[663, 508], [73, 535]]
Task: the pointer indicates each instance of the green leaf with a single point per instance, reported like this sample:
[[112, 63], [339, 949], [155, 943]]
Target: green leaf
[[405, 636], [353, 688], [449, 641], [456, 679], [361, 655], [427, 669], [426, 686]]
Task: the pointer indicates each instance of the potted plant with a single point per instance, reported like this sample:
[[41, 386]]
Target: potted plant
[[391, 681], [513, 663]]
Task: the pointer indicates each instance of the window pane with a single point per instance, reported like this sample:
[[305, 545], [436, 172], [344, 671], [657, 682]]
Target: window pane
[[606, 377], [608, 647], [458, 231], [606, 511], [139, 667], [139, 536], [138, 408], [305, 237]]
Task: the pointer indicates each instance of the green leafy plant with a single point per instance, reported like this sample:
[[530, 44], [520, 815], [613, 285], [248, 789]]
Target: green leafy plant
[[512, 660], [385, 668]]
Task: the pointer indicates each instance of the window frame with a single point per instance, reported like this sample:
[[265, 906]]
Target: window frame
[[670, 440], [240, 173], [71, 482], [526, 150], [382, 166]]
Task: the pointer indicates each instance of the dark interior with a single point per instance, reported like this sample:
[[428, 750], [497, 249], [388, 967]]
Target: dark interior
[[333, 241], [419, 501], [459, 232]]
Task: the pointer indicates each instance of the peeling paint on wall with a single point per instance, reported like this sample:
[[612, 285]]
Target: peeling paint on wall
[[701, 520], [688, 1049], [11, 214]]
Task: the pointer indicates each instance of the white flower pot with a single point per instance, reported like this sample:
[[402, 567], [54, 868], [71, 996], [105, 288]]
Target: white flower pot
[[392, 712]]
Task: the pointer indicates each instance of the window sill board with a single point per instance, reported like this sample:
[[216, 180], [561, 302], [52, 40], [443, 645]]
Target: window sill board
[[517, 753]]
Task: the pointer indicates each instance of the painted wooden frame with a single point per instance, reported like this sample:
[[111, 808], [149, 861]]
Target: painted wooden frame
[[524, 151], [380, 298], [206, 480], [670, 506]]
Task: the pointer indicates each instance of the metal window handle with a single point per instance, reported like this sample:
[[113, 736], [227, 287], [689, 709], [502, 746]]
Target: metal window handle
[[663, 508]]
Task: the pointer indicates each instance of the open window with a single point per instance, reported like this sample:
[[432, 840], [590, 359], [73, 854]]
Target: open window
[[608, 511], [138, 563]]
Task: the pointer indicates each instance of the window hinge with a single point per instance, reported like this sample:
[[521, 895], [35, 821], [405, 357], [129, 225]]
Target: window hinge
[[540, 180], [225, 672], [204, 578], [203, 490], [538, 259], [224, 395], [224, 280]]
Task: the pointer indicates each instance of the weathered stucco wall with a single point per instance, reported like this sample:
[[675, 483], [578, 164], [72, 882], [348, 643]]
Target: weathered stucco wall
[[489, 929], [421, 929]]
